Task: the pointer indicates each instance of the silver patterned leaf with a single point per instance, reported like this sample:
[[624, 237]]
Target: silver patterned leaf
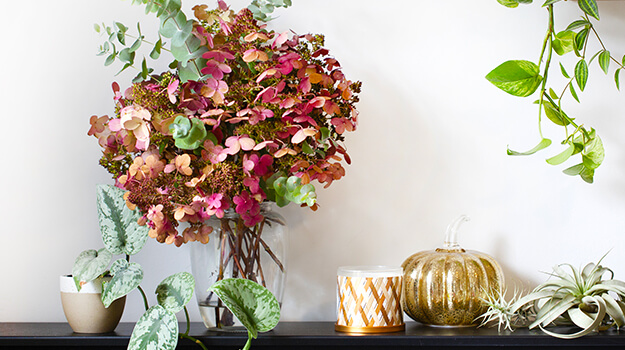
[[156, 329], [126, 277], [175, 291], [251, 303], [120, 231], [90, 264]]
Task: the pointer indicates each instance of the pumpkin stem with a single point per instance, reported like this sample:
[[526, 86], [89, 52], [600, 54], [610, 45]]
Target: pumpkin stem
[[451, 235]]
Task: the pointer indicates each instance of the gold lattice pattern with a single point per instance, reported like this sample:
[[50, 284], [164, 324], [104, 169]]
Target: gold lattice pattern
[[369, 302]]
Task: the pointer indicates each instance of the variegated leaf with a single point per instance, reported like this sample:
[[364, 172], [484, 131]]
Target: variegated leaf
[[175, 291], [90, 264], [156, 329], [120, 231], [126, 277], [251, 303]]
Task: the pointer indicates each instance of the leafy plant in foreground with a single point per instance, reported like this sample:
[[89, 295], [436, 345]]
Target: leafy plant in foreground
[[524, 78]]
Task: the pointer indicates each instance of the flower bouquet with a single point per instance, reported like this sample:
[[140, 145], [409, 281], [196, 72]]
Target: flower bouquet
[[245, 116]]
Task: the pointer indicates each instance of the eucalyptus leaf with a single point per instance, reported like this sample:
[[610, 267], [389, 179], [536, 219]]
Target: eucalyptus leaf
[[89, 265], [175, 291], [251, 303], [126, 277], [544, 143], [121, 233], [516, 77], [157, 328]]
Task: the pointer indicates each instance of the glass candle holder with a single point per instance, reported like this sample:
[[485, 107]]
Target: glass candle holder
[[369, 299]]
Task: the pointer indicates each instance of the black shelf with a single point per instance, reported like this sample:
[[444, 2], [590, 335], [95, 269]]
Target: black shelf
[[308, 335]]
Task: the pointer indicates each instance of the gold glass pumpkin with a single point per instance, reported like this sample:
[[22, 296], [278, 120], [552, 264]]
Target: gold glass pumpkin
[[446, 286]]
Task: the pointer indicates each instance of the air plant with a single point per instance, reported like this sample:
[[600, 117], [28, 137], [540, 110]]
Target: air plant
[[580, 297]]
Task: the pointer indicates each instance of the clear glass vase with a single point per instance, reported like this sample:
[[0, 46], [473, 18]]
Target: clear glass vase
[[256, 253]]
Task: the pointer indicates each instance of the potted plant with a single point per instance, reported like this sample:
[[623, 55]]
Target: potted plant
[[245, 117], [93, 297], [525, 78]]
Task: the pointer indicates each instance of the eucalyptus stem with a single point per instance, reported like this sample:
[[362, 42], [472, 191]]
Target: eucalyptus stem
[[145, 299]]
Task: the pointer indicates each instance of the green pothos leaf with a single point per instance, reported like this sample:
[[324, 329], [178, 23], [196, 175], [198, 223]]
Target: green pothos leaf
[[517, 77], [563, 156], [544, 143]]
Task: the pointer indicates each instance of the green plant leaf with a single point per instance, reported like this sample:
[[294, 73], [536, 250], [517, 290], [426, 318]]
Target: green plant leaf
[[563, 156], [250, 302], [564, 42], [573, 93], [593, 153], [156, 329], [175, 291], [604, 60], [156, 51], [517, 77], [513, 3], [110, 59], [580, 39], [555, 114], [581, 74], [544, 143], [126, 277], [126, 55], [574, 170], [121, 233], [578, 24], [616, 79], [90, 264], [564, 72], [136, 45], [589, 7]]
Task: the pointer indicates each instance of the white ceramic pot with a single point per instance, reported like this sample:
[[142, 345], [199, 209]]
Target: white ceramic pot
[[84, 310]]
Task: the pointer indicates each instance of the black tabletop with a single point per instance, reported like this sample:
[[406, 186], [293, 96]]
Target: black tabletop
[[308, 335]]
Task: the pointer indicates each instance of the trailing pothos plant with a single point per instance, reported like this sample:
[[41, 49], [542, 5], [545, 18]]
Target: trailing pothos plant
[[581, 298], [157, 328], [524, 78]]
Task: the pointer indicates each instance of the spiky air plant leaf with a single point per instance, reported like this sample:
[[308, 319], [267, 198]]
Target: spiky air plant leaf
[[500, 312], [572, 297]]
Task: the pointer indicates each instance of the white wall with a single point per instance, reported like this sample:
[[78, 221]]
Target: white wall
[[430, 146]]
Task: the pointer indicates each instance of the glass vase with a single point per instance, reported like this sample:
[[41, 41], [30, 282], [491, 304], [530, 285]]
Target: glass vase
[[234, 250]]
